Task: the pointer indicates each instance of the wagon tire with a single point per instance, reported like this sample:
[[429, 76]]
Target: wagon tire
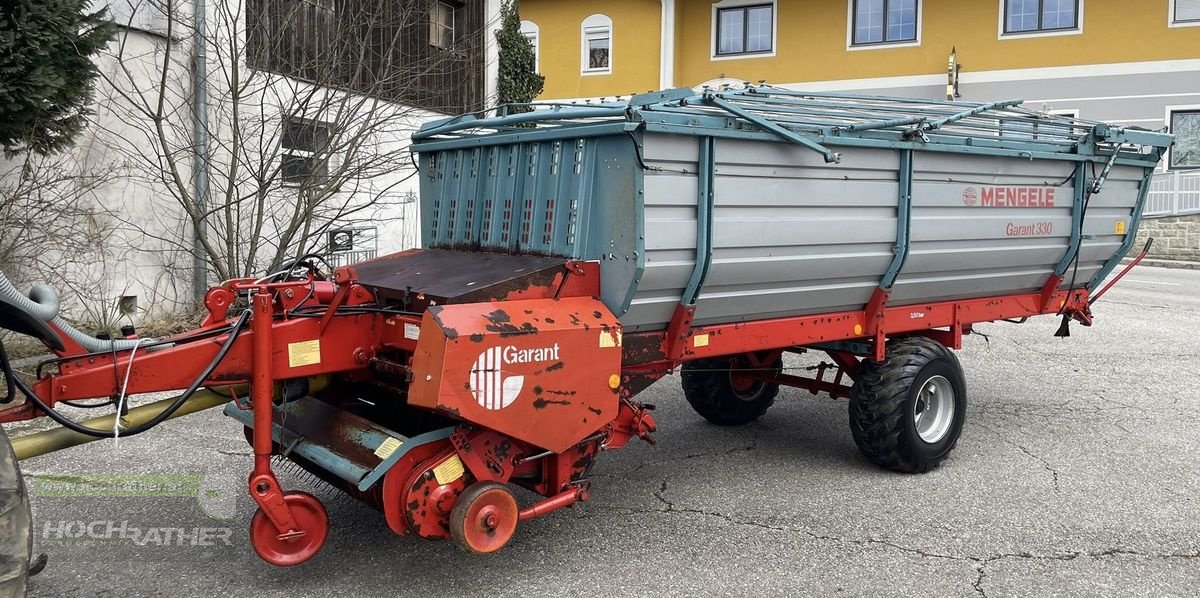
[[710, 387], [907, 411], [16, 524]]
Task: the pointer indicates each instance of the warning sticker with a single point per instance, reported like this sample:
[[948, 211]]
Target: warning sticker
[[412, 332], [304, 353], [610, 338], [700, 340], [1120, 227], [387, 447], [449, 470]]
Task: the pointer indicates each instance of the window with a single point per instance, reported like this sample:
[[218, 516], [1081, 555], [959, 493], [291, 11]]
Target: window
[[1186, 151], [441, 25], [291, 37], [1032, 16], [597, 45], [304, 159], [530, 30], [884, 21], [1185, 12], [387, 50], [745, 30]]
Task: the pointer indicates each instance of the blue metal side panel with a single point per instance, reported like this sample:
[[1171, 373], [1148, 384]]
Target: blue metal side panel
[[577, 198]]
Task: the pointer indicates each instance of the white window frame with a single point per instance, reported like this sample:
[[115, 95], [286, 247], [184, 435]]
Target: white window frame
[[453, 25], [595, 25], [533, 33], [1001, 35], [1070, 112], [716, 9], [1171, 22], [852, 47], [1168, 111]]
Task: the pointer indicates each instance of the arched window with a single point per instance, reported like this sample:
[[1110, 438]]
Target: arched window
[[530, 30], [596, 41]]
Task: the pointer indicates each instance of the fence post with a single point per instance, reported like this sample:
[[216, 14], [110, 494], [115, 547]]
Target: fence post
[[1175, 179]]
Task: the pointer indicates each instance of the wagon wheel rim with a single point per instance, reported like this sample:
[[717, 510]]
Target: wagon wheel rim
[[744, 387], [933, 409]]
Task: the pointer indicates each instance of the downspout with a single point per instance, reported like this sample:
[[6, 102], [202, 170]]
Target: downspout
[[199, 146], [491, 54], [666, 60]]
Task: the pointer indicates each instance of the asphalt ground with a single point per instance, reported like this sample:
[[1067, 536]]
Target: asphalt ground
[[1077, 475]]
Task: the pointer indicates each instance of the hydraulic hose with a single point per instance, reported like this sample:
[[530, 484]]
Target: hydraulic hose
[[154, 421], [43, 302]]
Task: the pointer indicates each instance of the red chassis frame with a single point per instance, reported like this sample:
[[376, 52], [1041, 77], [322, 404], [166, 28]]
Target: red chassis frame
[[350, 342], [650, 356]]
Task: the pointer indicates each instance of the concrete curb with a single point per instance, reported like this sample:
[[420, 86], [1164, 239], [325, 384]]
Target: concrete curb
[[1178, 264]]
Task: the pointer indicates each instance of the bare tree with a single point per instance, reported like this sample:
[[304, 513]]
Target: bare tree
[[54, 230], [310, 104]]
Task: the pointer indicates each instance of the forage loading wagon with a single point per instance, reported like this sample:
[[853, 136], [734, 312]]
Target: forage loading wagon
[[572, 255]]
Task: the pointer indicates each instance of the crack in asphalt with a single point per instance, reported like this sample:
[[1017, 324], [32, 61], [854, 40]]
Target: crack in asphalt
[[978, 585], [1044, 462], [753, 444], [1024, 347], [980, 563], [1029, 453]]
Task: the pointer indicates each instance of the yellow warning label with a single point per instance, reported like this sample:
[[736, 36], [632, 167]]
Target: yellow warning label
[[304, 353], [1120, 227], [700, 340], [610, 338], [449, 470], [387, 447]]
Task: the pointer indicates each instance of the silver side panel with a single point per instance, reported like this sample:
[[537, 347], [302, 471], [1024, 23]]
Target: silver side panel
[[793, 235], [962, 248]]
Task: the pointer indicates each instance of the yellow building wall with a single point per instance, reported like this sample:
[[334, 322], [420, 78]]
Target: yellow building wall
[[811, 42], [635, 46]]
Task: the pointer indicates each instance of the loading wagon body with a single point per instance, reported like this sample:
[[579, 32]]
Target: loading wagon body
[[574, 254], [780, 231]]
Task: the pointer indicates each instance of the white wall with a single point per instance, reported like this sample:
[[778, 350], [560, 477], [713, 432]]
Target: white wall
[[150, 234]]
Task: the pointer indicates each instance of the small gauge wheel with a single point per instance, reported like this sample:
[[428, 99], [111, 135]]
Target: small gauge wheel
[[484, 518], [310, 517]]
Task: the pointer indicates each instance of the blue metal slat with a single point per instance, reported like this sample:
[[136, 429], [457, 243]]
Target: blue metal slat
[[903, 221]]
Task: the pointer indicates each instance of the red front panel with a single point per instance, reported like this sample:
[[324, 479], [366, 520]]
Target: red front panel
[[543, 371]]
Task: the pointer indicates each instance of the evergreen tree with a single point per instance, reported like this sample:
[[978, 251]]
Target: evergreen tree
[[46, 71], [519, 81]]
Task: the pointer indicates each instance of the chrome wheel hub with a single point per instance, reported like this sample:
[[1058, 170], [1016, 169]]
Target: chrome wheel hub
[[933, 411]]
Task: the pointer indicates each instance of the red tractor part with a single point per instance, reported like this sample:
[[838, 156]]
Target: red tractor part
[[484, 518], [309, 528]]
